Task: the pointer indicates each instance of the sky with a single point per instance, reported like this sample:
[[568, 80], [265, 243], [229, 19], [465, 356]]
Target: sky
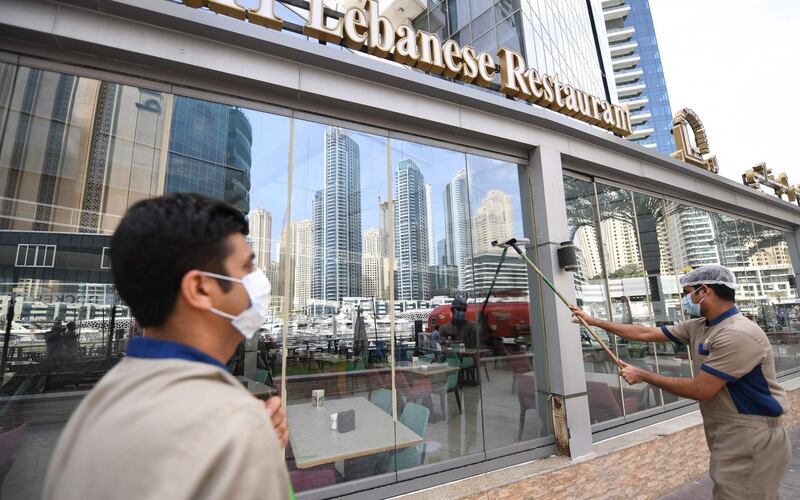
[[736, 64]]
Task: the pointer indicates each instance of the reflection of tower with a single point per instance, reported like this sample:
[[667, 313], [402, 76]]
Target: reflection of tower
[[622, 249], [411, 237], [373, 262], [70, 142], [493, 221], [260, 237], [432, 251], [209, 151], [337, 220], [694, 237], [457, 224], [296, 259], [590, 252]]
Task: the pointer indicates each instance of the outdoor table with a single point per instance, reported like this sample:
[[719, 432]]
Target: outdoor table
[[314, 443], [432, 370]]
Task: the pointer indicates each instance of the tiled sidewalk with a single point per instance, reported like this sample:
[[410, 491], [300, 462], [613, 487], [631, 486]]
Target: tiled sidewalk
[[790, 488]]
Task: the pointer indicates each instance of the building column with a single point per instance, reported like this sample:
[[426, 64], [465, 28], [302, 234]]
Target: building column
[[562, 338]]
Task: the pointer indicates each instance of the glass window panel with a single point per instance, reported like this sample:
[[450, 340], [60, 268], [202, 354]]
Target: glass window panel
[[509, 33], [771, 262], [663, 288], [482, 24], [602, 382], [459, 14], [500, 283], [627, 285], [77, 152], [433, 251], [478, 7], [334, 251]]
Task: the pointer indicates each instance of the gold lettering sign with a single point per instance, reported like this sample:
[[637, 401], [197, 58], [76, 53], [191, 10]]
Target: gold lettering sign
[[359, 28], [761, 175], [691, 141]]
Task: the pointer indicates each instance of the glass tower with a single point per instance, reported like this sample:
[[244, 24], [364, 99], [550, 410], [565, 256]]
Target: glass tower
[[638, 74]]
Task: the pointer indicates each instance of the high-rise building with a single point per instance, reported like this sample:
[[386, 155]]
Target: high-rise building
[[457, 225], [493, 221], [296, 259], [554, 36], [210, 151], [260, 237], [373, 264], [621, 247], [432, 256], [590, 252], [694, 237], [45, 185], [337, 221], [411, 232], [638, 75]]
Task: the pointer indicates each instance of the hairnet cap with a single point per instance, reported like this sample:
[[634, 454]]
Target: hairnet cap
[[710, 275]]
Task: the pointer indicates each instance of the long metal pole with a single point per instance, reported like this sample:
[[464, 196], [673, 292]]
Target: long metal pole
[[566, 303]]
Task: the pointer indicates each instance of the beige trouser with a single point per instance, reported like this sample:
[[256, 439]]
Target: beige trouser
[[749, 455]]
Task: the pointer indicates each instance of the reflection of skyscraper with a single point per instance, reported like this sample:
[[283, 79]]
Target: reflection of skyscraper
[[297, 260], [373, 262], [493, 221], [337, 221], [590, 252], [260, 237], [457, 224], [694, 237], [50, 184], [411, 232], [622, 249], [432, 251], [209, 151]]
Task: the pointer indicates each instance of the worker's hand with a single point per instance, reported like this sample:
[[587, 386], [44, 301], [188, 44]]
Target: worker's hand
[[577, 311], [278, 416], [632, 374]]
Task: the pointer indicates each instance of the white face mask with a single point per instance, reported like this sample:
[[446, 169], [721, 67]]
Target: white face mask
[[258, 288]]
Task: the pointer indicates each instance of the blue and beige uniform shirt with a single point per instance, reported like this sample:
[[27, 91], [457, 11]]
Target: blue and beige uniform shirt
[[738, 351], [168, 422]]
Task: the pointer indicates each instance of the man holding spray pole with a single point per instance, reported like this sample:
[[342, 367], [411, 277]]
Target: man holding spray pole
[[740, 399]]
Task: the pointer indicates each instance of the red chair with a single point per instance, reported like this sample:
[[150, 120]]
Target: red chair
[[311, 479], [604, 404], [526, 393]]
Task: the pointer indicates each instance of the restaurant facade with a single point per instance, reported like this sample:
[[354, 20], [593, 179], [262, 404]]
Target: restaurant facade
[[375, 177]]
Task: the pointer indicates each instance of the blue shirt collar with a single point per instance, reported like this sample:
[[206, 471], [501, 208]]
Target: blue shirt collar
[[150, 348], [727, 314]]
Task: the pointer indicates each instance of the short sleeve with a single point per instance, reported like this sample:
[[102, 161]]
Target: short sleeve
[[677, 333], [732, 355]]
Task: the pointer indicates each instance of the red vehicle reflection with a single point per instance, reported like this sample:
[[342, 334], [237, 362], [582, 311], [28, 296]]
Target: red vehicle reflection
[[503, 320]]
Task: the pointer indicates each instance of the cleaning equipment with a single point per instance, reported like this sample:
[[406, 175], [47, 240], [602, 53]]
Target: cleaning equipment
[[514, 243]]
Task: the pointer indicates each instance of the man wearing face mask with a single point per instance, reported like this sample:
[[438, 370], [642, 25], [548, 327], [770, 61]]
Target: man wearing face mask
[[459, 330], [740, 399], [168, 421]]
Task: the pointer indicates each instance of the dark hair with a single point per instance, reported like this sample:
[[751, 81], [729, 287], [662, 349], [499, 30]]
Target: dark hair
[[723, 292], [161, 239]]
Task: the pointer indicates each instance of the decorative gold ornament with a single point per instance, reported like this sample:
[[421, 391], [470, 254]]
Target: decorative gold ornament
[[761, 175], [691, 141]]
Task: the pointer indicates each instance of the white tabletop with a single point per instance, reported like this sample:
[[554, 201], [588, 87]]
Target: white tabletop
[[314, 443]]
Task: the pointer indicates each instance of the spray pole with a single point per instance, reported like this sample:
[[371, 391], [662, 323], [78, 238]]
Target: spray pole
[[513, 243]]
